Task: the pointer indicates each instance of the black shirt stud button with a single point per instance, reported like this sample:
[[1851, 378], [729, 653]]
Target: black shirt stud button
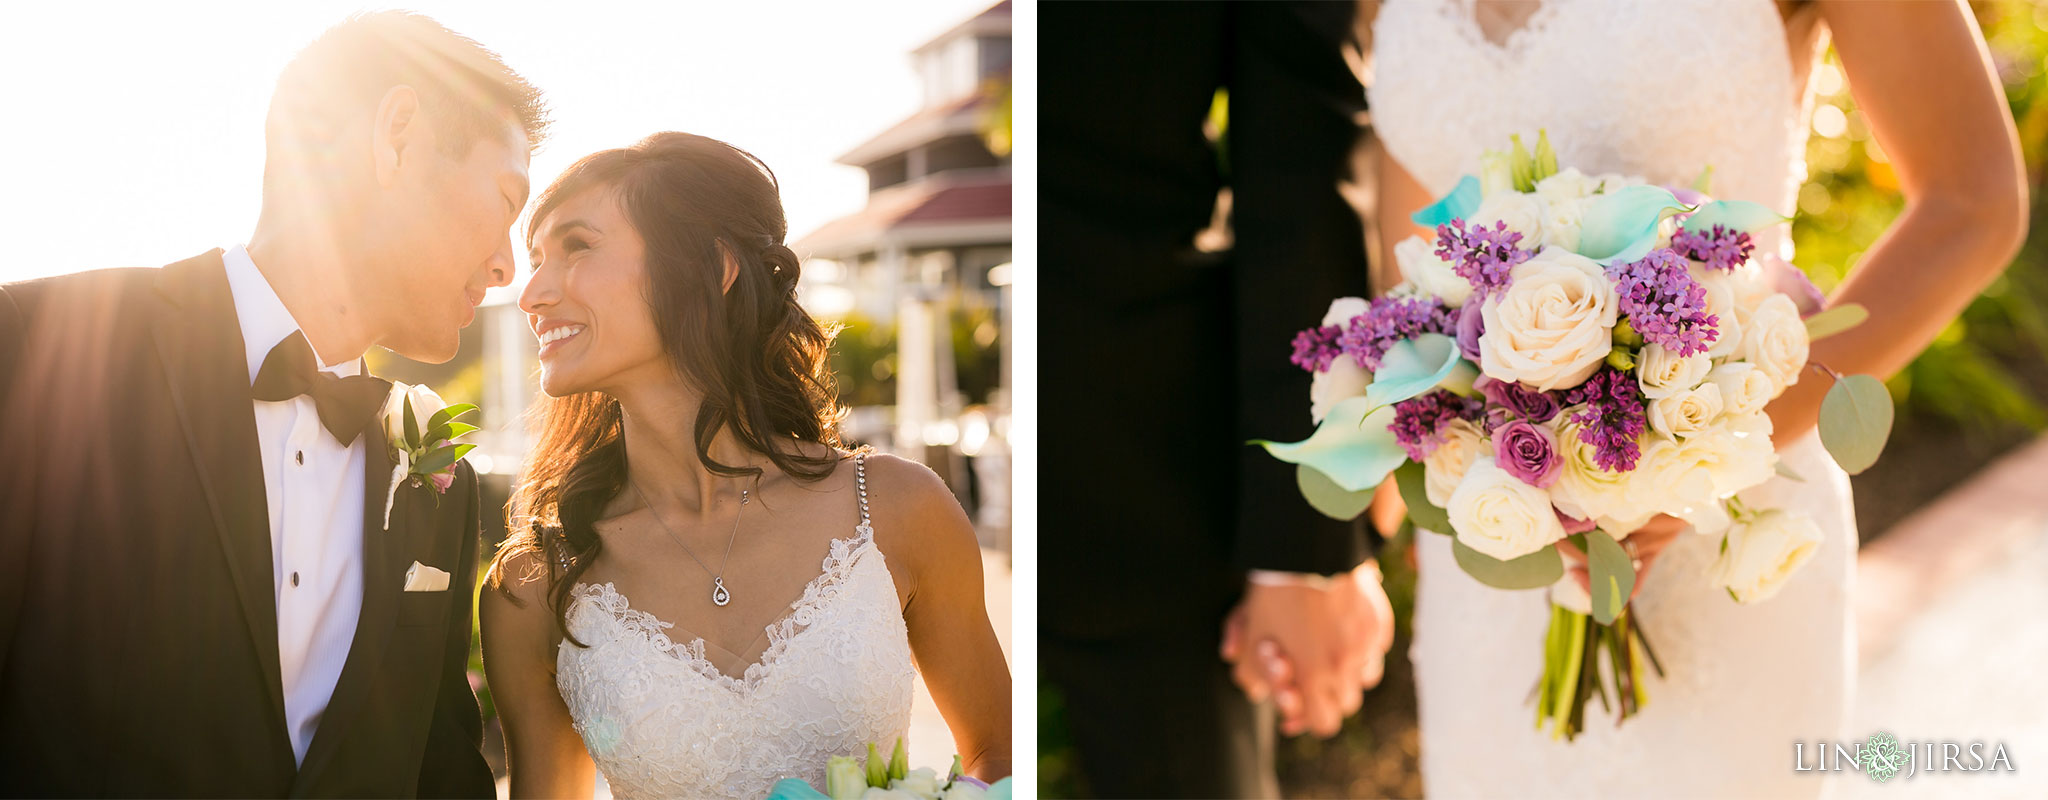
[[295, 579]]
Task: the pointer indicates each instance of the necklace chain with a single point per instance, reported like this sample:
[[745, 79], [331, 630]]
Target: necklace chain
[[719, 595]]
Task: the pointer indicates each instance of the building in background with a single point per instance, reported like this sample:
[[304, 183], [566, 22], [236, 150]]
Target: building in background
[[920, 276]]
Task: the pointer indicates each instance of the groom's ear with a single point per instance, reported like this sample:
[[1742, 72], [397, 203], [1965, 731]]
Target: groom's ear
[[395, 131]]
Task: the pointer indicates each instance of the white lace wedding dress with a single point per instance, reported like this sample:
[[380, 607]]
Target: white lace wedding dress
[[661, 721], [1657, 90]]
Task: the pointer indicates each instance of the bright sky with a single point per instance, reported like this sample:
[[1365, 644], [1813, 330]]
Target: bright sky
[[134, 133]]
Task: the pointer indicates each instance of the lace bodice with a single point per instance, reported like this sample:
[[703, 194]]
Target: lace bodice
[[1656, 90], [661, 721]]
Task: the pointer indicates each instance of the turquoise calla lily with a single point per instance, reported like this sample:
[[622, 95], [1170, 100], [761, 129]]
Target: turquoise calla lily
[[1413, 366], [1353, 447], [1459, 204], [1734, 215], [1622, 226]]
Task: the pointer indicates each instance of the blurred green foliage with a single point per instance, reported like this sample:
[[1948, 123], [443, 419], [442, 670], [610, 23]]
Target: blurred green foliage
[[864, 357]]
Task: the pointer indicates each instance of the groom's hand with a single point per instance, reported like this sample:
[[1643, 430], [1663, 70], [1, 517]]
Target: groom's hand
[[1312, 645]]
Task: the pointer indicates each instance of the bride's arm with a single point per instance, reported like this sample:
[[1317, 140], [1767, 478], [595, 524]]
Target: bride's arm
[[1922, 76], [931, 546], [542, 750]]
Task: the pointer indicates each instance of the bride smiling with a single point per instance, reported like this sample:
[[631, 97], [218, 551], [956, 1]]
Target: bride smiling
[[702, 592]]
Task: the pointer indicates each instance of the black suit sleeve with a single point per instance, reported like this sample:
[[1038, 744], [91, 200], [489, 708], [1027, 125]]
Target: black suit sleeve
[[1293, 124], [454, 765]]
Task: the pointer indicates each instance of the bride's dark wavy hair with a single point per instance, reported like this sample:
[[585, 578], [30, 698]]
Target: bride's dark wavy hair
[[756, 356]]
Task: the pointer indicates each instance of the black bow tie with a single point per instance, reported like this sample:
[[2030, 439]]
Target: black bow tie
[[347, 404]]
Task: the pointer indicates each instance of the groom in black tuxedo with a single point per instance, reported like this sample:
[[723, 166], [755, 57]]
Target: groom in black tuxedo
[[1161, 360], [199, 592]]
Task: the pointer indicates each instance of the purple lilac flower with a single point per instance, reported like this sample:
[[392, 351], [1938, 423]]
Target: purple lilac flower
[[1720, 248], [1612, 420], [1315, 348], [1664, 303], [1388, 320], [1417, 420], [1527, 451], [1481, 256], [1471, 325], [1518, 401]]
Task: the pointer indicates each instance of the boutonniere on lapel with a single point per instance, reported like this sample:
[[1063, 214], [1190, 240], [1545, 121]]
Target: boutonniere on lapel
[[423, 455]]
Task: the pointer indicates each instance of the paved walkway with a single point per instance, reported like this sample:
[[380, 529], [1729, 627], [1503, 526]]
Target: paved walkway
[[1954, 636]]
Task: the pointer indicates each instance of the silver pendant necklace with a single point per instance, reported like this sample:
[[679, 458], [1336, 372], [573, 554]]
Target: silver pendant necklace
[[719, 596]]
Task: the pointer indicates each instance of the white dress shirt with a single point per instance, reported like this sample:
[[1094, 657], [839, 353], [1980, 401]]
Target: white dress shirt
[[314, 486]]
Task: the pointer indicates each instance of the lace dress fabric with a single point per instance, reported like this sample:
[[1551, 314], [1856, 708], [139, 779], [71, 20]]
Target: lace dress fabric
[[660, 720], [1656, 90]]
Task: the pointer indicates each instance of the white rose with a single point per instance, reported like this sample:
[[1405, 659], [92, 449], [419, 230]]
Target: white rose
[[1686, 413], [1446, 465], [1343, 309], [962, 790], [1774, 340], [1497, 514], [1741, 454], [1762, 554], [1611, 182], [874, 793], [1583, 489], [922, 782], [1673, 478], [1721, 302], [1745, 390], [1523, 214], [1566, 184], [1553, 326], [1430, 275], [1562, 222], [425, 404], [1662, 372]]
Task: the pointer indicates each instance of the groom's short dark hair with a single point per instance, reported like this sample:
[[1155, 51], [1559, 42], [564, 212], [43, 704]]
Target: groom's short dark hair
[[465, 88]]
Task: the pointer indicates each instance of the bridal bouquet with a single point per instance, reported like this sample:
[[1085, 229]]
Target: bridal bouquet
[[1571, 357], [876, 779]]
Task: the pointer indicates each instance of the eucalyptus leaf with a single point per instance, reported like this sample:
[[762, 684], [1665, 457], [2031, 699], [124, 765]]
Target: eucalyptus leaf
[[1426, 516], [1624, 222], [1613, 575], [1459, 204], [1855, 421], [1734, 215], [1326, 496], [1533, 571], [1353, 448], [1411, 367], [1835, 320]]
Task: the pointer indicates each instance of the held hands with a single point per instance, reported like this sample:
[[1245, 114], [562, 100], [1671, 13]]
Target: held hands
[[1312, 645], [1643, 545]]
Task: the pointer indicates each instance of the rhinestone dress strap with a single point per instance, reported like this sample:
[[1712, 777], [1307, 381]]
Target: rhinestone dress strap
[[860, 476]]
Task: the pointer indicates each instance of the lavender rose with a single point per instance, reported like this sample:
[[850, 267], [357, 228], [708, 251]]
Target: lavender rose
[[1470, 327], [1527, 404], [1527, 451]]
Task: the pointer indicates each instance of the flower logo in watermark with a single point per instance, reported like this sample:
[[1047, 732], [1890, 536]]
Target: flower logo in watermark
[[1882, 757]]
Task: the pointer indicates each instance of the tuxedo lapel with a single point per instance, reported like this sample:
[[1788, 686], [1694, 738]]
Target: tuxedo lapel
[[384, 564], [199, 340]]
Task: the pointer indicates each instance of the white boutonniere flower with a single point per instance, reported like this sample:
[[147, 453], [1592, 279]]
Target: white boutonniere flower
[[423, 455]]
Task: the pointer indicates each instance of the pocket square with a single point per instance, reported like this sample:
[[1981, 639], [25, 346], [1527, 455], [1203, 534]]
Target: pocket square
[[422, 578]]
